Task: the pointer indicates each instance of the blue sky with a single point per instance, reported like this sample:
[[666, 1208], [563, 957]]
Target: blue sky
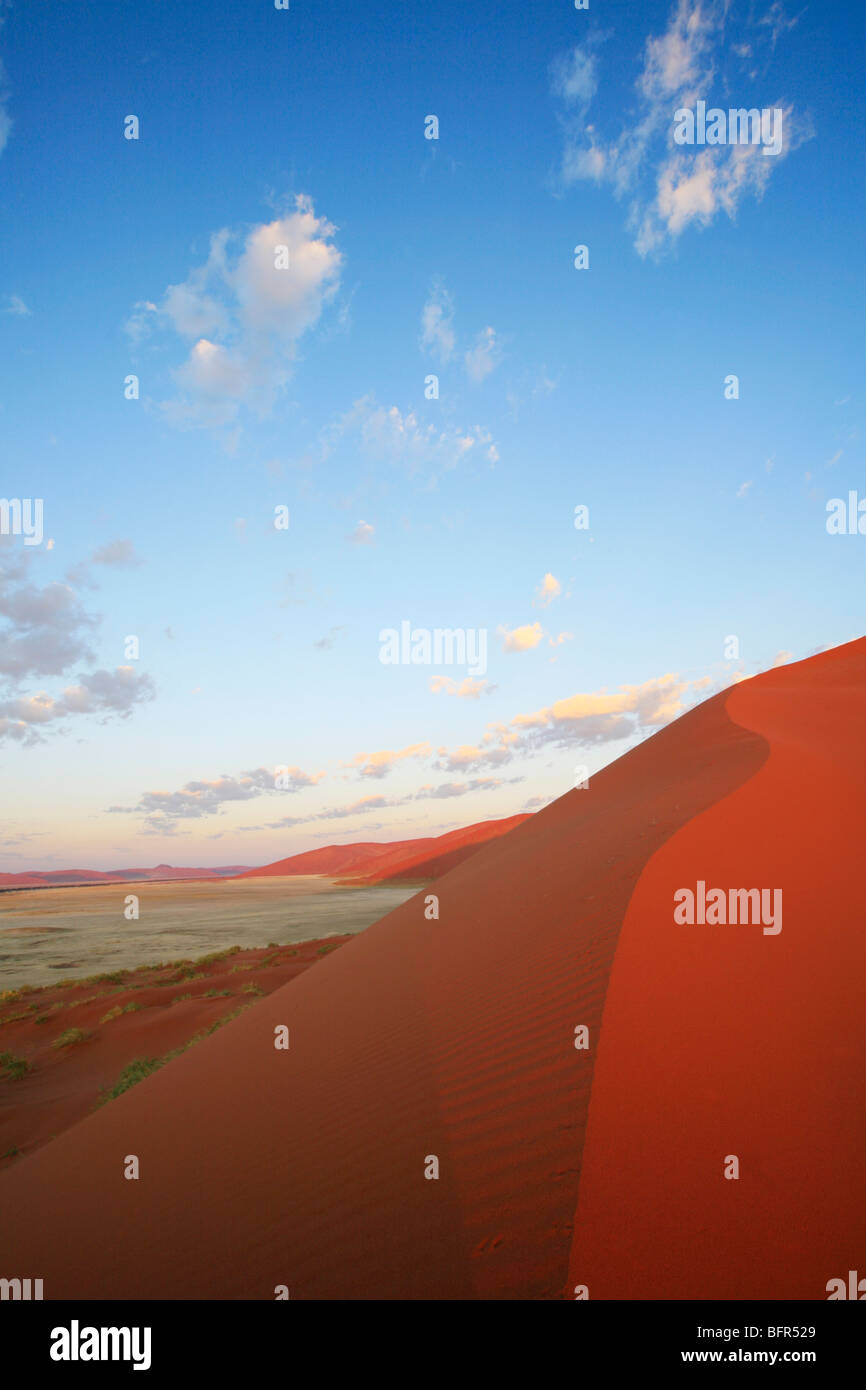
[[304, 387]]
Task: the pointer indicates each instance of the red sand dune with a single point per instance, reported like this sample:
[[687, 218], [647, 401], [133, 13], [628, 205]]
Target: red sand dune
[[59, 878], [124, 1015], [455, 1037], [373, 862]]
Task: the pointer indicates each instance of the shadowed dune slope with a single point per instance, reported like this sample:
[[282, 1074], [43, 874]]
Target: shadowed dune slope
[[452, 1037], [721, 1040]]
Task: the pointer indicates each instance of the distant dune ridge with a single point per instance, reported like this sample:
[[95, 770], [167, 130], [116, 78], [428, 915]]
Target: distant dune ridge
[[58, 878], [372, 862], [363, 862], [560, 1168]]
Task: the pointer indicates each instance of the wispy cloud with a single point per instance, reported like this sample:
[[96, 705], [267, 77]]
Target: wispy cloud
[[439, 337], [389, 434], [206, 798], [5, 118], [118, 554], [437, 324], [668, 187], [324, 644], [98, 693], [467, 689], [484, 357], [45, 630], [444, 791], [379, 764]]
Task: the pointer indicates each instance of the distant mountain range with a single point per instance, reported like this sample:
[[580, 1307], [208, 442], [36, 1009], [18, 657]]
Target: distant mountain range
[[59, 878]]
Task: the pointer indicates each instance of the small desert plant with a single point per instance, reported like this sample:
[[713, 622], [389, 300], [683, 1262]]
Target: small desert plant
[[218, 955], [72, 1035], [12, 1066], [143, 1066], [186, 973], [117, 1011], [130, 1076]]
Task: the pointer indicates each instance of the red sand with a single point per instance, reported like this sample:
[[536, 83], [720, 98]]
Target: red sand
[[374, 862], [168, 1006], [721, 1040], [455, 1038]]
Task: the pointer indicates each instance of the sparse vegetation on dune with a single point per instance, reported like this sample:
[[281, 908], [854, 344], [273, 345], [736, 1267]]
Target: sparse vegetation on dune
[[71, 1036], [117, 1011], [143, 1067], [13, 1067], [130, 1076]]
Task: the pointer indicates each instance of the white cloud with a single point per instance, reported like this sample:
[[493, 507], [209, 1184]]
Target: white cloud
[[521, 639], [193, 312], [470, 757], [17, 306], [245, 310], [214, 382], [379, 764], [484, 357], [678, 59], [362, 534], [468, 688], [581, 720], [573, 77], [549, 589]]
